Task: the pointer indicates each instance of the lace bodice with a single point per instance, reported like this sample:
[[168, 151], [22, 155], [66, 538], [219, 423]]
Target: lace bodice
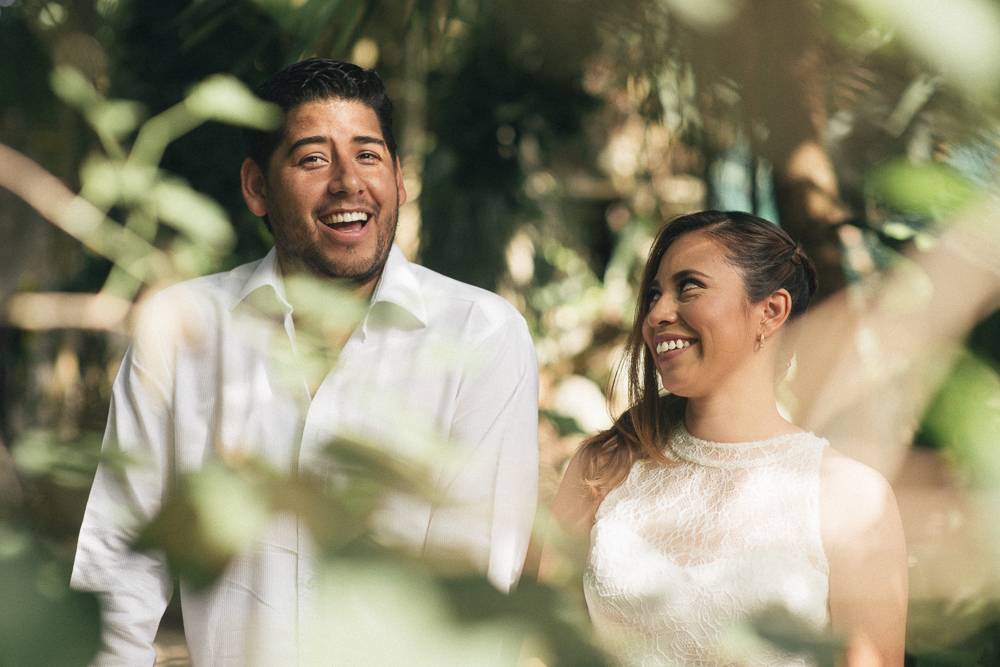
[[681, 555]]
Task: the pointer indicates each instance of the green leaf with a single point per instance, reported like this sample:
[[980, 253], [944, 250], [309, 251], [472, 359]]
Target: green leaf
[[117, 118], [958, 37], [933, 189], [71, 464], [73, 88], [42, 621], [190, 212], [899, 231], [965, 418], [201, 528], [225, 98], [109, 182], [565, 424]]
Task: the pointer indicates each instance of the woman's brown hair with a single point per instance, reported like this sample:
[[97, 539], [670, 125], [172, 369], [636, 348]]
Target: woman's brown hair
[[767, 259]]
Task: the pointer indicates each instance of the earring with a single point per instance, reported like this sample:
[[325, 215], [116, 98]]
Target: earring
[[762, 340]]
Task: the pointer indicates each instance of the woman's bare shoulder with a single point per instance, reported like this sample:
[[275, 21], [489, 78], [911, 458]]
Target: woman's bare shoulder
[[854, 498]]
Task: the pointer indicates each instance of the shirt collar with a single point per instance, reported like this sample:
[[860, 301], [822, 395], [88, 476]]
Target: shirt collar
[[400, 287], [397, 286], [255, 290]]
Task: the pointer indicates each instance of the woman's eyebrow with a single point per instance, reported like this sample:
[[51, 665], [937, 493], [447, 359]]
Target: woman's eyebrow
[[687, 273]]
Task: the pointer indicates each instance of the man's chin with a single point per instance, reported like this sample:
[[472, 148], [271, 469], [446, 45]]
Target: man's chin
[[361, 271]]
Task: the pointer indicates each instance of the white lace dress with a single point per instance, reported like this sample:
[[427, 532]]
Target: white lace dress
[[681, 555]]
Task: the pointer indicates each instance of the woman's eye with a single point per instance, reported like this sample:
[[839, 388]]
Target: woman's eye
[[652, 296], [688, 284]]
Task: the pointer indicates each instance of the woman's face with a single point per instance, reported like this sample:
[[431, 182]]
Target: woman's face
[[700, 329]]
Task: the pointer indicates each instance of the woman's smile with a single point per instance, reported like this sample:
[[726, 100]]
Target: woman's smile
[[698, 327]]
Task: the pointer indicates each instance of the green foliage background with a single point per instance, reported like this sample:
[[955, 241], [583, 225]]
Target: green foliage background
[[543, 143]]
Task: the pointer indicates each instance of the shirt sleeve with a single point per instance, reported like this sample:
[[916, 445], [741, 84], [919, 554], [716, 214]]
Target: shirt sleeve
[[496, 422], [134, 588]]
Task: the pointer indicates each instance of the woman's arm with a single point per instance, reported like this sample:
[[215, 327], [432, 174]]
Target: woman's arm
[[571, 518], [864, 543]]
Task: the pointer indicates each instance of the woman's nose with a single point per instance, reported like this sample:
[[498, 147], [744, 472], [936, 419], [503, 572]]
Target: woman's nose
[[664, 311]]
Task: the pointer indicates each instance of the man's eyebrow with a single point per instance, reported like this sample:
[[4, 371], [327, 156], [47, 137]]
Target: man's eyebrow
[[305, 141], [319, 139], [369, 140]]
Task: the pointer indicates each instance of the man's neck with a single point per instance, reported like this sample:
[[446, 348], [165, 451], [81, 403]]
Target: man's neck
[[291, 267]]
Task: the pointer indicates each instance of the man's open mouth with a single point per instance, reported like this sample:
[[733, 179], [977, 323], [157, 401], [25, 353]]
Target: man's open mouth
[[346, 222]]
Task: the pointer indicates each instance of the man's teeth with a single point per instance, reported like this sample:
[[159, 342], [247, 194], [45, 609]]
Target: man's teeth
[[666, 346], [353, 216]]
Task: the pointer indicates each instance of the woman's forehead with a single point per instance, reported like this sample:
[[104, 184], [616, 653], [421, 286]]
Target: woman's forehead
[[694, 249]]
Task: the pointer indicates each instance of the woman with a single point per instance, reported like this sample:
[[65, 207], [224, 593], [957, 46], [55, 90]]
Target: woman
[[705, 506]]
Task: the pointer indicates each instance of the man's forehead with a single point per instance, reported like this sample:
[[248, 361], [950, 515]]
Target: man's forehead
[[337, 110]]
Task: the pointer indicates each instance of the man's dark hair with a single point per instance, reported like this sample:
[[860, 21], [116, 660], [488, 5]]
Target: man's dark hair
[[319, 79]]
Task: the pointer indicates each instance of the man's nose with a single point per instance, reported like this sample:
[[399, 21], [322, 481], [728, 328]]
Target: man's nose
[[344, 178]]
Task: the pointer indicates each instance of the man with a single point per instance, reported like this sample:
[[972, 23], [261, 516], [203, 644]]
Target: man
[[199, 384]]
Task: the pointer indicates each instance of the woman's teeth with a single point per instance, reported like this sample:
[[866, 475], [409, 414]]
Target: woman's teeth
[[666, 346]]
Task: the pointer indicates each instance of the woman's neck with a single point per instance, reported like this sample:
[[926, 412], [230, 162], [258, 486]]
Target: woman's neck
[[739, 415]]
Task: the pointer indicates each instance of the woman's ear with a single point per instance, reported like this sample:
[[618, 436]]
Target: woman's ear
[[254, 187], [776, 310]]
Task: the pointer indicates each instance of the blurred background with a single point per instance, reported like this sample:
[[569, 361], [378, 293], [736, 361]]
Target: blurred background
[[542, 144]]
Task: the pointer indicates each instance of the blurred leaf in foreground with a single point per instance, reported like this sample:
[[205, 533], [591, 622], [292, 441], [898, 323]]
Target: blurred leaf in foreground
[[931, 190], [42, 622], [41, 453], [793, 635], [965, 419], [958, 37], [225, 98]]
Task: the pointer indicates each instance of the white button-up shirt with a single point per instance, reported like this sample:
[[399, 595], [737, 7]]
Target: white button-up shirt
[[200, 383]]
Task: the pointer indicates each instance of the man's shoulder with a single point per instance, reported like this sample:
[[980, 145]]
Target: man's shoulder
[[198, 301], [443, 294], [221, 287]]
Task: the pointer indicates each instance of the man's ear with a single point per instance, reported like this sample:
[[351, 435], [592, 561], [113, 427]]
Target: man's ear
[[777, 309], [399, 183], [254, 187]]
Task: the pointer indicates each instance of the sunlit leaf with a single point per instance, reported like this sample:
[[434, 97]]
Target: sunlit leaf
[[73, 88], [965, 418], [117, 118], [932, 189], [331, 307], [202, 527], [357, 601], [193, 259], [899, 231], [198, 216], [704, 14], [106, 183], [959, 37], [225, 98], [230, 508]]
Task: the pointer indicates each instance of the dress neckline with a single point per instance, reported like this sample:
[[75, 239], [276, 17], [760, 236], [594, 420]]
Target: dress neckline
[[733, 455]]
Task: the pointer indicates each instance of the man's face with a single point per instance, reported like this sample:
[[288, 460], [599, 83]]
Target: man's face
[[331, 192]]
